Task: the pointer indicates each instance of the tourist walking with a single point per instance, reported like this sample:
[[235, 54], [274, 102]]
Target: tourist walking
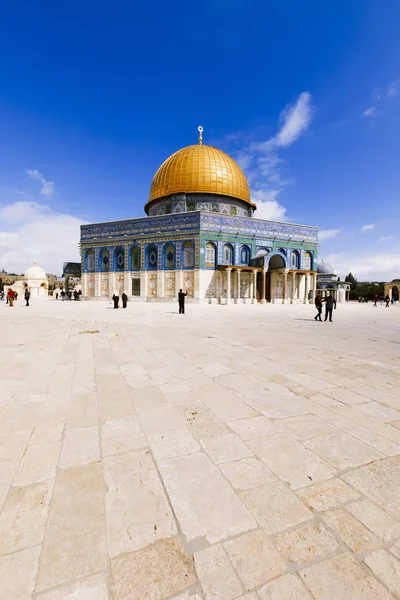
[[62, 295], [330, 302], [387, 300], [124, 299], [76, 295], [116, 299], [376, 299], [27, 296], [181, 301], [15, 296], [11, 296], [318, 306]]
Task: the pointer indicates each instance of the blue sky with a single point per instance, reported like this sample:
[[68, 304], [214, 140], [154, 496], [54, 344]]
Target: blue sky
[[305, 95]]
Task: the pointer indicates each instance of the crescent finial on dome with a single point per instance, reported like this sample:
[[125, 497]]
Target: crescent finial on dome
[[200, 130]]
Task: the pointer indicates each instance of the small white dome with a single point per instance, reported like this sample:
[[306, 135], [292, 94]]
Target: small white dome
[[36, 273], [324, 268]]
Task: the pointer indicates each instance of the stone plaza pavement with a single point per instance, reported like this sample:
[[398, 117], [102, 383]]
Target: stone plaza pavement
[[232, 452]]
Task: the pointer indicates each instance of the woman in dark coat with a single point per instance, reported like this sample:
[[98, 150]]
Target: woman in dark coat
[[124, 300], [116, 299]]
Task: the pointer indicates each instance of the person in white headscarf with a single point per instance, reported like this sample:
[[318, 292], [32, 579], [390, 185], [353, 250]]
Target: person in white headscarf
[[116, 299], [124, 299]]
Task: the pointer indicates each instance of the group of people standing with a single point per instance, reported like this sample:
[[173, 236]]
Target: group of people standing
[[386, 300], [12, 296], [124, 298], [330, 304]]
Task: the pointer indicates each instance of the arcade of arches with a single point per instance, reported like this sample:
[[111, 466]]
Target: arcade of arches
[[392, 289]]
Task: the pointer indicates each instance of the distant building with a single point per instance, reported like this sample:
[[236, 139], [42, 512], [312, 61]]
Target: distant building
[[327, 282]]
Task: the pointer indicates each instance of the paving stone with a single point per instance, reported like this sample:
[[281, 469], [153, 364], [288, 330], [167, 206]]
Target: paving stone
[[155, 572], [249, 429], [138, 512], [247, 473], [306, 543], [279, 452], [373, 517], [342, 450], [18, 573], [345, 396], [24, 515], [380, 483], [377, 411], [121, 435], [47, 430], [342, 578], [353, 533], [92, 588], [216, 574], [193, 484], [172, 443], [275, 507], [75, 540], [80, 446], [225, 448], [327, 494], [305, 427], [38, 464], [287, 587], [387, 568], [255, 559]]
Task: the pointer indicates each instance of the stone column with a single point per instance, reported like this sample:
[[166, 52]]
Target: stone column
[[97, 285], [254, 297], [293, 287], [84, 285], [264, 282], [284, 293], [238, 286], [127, 283], [306, 289], [228, 286], [160, 284], [314, 287]]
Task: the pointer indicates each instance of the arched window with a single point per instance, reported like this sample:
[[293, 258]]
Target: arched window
[[135, 258], [295, 260], [244, 255], [307, 261], [188, 255], [262, 252], [169, 256], [104, 260], [119, 259], [282, 251], [228, 254], [210, 255], [89, 260], [152, 257]]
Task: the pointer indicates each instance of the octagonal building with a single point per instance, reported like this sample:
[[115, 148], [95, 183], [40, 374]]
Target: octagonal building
[[200, 234]]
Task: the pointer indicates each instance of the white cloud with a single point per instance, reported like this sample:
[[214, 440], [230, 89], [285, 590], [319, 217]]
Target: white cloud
[[48, 187], [265, 168], [267, 205], [386, 238], [31, 231], [369, 112], [295, 120], [368, 227], [328, 234], [393, 88], [369, 266]]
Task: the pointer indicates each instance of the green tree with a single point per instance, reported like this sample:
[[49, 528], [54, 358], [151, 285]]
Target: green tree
[[352, 280]]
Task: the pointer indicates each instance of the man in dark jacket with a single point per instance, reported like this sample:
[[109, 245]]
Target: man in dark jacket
[[181, 301], [27, 296], [318, 306], [330, 302]]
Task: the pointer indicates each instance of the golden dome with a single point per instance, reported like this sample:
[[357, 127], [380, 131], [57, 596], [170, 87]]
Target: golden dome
[[200, 169]]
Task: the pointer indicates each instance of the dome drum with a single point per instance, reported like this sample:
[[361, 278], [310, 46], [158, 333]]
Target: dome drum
[[176, 203]]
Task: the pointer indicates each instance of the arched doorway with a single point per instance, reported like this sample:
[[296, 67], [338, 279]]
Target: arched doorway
[[395, 293]]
